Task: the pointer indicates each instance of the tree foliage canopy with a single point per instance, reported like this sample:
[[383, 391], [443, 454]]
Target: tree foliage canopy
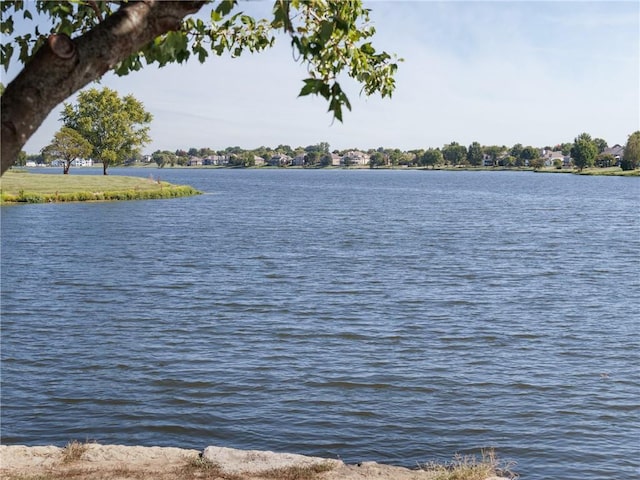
[[584, 151], [67, 145], [631, 156], [74, 43], [115, 127]]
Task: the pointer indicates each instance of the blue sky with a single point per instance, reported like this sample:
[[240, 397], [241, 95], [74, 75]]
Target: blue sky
[[536, 73]]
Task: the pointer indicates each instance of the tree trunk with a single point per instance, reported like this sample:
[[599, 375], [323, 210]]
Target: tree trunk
[[65, 168], [63, 66], [105, 165]]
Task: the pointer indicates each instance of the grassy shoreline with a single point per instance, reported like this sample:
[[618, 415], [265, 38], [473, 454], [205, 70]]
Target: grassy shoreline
[[24, 187]]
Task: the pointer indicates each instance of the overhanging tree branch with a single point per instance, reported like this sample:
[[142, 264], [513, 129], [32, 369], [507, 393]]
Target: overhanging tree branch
[[64, 65]]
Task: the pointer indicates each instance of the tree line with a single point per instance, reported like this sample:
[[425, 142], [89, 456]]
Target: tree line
[[112, 130], [583, 152]]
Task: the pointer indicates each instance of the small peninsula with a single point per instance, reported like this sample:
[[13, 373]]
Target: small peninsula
[[24, 187]]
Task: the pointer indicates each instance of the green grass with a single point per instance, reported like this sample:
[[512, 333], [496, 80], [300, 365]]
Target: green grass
[[610, 171], [595, 171], [22, 187]]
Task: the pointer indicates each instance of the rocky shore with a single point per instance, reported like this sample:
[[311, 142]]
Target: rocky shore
[[116, 462]]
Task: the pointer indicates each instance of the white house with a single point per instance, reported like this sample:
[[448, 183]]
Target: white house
[[550, 156], [356, 157], [82, 162]]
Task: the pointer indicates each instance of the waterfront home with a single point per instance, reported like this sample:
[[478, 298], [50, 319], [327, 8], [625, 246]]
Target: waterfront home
[[487, 160], [617, 152], [280, 160], [82, 162], [550, 156], [216, 160], [355, 157]]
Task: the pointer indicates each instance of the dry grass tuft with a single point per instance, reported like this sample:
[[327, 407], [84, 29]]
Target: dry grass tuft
[[73, 451], [203, 469], [297, 472], [468, 467]]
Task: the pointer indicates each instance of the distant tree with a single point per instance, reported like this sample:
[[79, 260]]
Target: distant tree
[[474, 154], [115, 127], [205, 152], [22, 157], [234, 150], [263, 152], [312, 159], [194, 152], [536, 163], [395, 156], [516, 150], [529, 153], [507, 161], [631, 157], [431, 158], [494, 151], [601, 144], [164, 158], [326, 160], [286, 149], [182, 158], [454, 153], [248, 159], [604, 160], [565, 148], [584, 151], [377, 159], [67, 145], [324, 147]]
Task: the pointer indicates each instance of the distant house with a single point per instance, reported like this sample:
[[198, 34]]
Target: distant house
[[299, 160], [336, 160], [616, 152], [487, 160], [195, 162], [259, 161], [355, 157], [216, 160], [280, 160], [82, 162], [550, 156]]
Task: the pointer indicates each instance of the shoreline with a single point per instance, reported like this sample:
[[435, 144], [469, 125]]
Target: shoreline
[[118, 462], [25, 187]]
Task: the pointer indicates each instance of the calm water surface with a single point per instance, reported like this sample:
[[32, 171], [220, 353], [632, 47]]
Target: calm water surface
[[397, 316]]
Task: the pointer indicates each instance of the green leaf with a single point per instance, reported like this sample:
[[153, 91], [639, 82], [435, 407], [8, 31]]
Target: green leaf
[[326, 30], [311, 85], [225, 7], [7, 52], [367, 49]]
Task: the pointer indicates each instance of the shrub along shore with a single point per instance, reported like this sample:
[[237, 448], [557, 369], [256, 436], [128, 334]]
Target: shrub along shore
[[23, 187]]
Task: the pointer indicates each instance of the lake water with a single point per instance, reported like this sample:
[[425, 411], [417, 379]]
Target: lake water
[[396, 316]]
